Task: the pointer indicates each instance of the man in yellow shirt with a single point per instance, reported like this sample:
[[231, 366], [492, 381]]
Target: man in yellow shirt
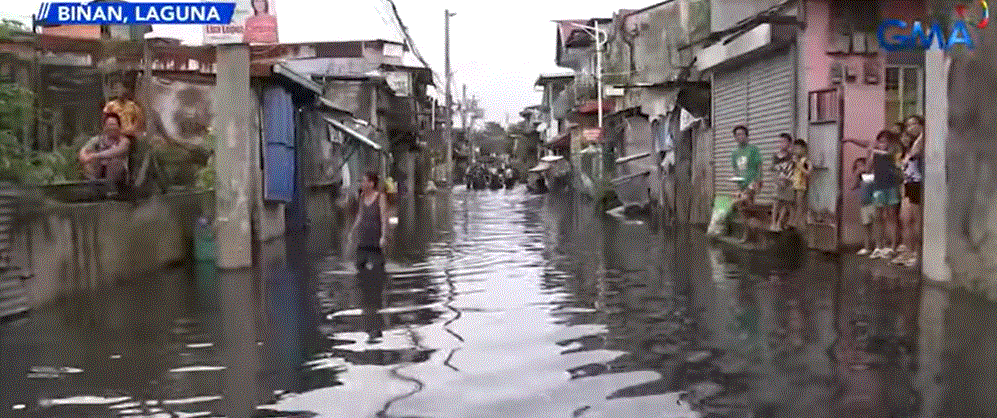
[[132, 119]]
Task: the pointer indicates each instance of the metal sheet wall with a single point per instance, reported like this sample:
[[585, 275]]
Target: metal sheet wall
[[760, 95]]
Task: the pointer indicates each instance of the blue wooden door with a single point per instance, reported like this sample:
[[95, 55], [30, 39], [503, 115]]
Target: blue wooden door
[[278, 128]]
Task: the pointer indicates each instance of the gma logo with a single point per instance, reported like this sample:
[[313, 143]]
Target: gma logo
[[918, 38]]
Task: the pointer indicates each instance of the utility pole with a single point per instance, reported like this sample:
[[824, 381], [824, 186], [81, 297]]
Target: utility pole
[[232, 157], [464, 109], [449, 115]]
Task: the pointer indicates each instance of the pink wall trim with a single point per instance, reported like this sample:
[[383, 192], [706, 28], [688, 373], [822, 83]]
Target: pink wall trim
[[864, 103]]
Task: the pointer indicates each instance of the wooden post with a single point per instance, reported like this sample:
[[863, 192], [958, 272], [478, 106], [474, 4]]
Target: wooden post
[[233, 197]]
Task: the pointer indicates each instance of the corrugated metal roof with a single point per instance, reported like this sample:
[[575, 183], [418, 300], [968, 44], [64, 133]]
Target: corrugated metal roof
[[286, 71], [553, 76], [349, 131]]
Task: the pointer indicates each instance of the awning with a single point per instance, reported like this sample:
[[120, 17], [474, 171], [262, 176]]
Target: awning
[[592, 106], [629, 158], [298, 78], [622, 179], [543, 166], [356, 135]]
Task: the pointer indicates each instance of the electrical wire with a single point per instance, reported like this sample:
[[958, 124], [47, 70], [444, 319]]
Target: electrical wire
[[390, 4]]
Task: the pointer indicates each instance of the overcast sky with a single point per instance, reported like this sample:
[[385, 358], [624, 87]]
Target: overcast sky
[[498, 49]]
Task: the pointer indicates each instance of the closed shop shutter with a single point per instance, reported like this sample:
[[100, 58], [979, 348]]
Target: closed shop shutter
[[761, 96], [730, 108], [771, 105]]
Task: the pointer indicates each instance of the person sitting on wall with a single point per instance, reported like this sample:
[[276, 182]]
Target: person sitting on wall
[[105, 156], [129, 113]]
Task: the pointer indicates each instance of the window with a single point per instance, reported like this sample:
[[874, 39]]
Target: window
[[903, 93]]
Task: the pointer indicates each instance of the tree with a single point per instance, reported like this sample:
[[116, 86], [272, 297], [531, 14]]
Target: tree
[[18, 162], [493, 139]]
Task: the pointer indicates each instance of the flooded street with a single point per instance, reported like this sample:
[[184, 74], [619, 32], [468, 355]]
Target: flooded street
[[506, 304]]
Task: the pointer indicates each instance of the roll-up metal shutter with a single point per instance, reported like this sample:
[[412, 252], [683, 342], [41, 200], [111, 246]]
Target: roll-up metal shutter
[[730, 108], [759, 95], [771, 105]]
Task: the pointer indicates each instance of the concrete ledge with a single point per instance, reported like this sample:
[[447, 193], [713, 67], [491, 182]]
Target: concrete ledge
[[74, 247]]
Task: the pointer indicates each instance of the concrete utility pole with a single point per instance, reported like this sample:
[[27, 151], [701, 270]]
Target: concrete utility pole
[[464, 109], [232, 157], [449, 110]]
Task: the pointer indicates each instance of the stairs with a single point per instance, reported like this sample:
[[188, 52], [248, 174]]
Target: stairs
[[13, 295]]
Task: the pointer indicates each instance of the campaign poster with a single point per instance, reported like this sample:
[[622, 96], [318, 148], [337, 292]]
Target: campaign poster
[[254, 22]]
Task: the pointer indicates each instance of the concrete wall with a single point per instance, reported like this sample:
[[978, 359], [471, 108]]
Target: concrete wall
[[972, 165], [82, 246], [702, 175], [935, 204]]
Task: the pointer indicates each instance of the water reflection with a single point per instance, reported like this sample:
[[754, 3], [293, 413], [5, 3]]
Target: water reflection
[[502, 304]]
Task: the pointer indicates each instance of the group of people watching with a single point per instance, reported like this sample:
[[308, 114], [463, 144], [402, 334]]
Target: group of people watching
[[105, 156], [791, 166], [889, 183]]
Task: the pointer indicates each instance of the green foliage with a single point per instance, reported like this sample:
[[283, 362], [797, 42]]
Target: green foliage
[[18, 163], [205, 177]]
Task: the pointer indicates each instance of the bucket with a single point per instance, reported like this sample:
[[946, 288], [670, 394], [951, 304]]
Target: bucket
[[205, 247]]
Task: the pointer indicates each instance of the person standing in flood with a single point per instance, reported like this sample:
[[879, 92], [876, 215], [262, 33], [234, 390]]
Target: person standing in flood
[[913, 169], [369, 235], [801, 179], [747, 164], [782, 165], [885, 191]]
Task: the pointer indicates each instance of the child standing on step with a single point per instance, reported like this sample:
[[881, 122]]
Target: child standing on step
[[782, 165], [801, 178], [867, 211]]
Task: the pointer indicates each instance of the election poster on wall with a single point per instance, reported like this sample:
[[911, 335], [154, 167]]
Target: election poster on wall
[[254, 22]]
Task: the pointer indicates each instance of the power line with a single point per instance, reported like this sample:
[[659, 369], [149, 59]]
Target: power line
[[409, 40], [389, 20]]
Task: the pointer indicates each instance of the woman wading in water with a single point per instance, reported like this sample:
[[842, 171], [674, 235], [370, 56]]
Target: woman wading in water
[[369, 234]]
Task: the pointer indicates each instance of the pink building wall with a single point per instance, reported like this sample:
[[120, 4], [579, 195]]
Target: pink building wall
[[864, 104]]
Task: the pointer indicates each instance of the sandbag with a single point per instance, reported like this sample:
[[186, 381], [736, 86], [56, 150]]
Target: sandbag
[[722, 208]]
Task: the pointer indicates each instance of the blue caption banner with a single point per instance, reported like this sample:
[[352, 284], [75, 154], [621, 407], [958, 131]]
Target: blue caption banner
[[120, 13]]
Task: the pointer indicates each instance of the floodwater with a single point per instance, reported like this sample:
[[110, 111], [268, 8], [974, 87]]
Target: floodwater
[[505, 304]]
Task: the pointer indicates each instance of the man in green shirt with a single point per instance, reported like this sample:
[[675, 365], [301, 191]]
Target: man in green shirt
[[747, 163]]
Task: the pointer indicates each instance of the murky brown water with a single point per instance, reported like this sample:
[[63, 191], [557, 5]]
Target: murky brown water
[[504, 304]]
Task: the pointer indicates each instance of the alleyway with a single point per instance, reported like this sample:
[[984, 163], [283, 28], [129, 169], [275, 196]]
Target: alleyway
[[506, 304]]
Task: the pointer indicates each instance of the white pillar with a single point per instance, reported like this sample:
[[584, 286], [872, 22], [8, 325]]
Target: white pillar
[[935, 187]]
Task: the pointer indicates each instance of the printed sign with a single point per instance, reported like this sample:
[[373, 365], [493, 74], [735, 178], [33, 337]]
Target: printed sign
[[253, 22], [121, 13]]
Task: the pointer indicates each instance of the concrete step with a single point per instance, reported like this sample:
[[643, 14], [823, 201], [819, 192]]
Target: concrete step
[[13, 297]]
